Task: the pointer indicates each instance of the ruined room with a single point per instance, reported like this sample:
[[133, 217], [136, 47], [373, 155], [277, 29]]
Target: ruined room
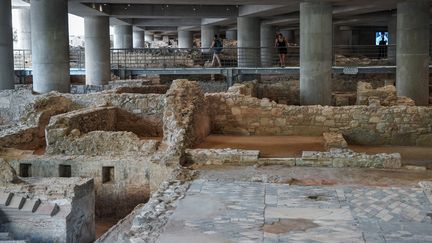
[[230, 121]]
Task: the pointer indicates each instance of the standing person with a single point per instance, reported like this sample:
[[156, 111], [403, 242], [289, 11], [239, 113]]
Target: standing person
[[217, 46], [282, 45]]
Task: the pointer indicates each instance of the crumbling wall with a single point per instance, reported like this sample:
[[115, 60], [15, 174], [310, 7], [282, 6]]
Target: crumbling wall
[[283, 92], [186, 122], [49, 209], [30, 133], [94, 131], [13, 105], [385, 96], [396, 125]]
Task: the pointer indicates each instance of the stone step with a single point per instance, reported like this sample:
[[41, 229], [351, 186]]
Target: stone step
[[277, 161], [5, 198], [49, 209], [17, 202], [31, 205]]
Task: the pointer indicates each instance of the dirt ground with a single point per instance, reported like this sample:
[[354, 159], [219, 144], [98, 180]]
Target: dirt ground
[[315, 176], [293, 146]]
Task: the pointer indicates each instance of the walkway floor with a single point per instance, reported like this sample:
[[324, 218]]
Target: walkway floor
[[219, 210]]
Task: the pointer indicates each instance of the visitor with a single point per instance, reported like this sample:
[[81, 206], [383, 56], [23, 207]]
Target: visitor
[[382, 43], [282, 45], [217, 46]]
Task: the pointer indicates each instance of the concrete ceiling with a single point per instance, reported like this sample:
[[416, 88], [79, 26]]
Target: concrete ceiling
[[190, 14]]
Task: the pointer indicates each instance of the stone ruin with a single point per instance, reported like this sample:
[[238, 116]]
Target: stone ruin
[[129, 143]]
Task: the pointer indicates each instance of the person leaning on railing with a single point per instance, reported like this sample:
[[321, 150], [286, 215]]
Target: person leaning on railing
[[282, 45]]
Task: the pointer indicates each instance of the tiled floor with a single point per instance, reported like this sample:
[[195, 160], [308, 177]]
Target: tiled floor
[[220, 211]]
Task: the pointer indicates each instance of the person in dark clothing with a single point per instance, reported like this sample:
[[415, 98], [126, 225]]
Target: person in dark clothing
[[282, 45], [217, 47], [382, 46]]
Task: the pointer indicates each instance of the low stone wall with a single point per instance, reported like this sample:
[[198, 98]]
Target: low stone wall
[[333, 158], [349, 158], [49, 209], [94, 131], [283, 92], [385, 96], [397, 125], [222, 156]]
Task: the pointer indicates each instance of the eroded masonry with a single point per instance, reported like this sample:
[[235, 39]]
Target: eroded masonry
[[138, 155]]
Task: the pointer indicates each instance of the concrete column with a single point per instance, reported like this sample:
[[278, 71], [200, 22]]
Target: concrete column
[[231, 34], [185, 39], [24, 28], [248, 42], [391, 50], [412, 51], [207, 35], [149, 36], [123, 37], [138, 39], [268, 52], [97, 50], [50, 45], [6, 46], [315, 53]]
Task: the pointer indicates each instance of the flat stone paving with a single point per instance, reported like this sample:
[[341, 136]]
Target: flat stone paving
[[226, 211]]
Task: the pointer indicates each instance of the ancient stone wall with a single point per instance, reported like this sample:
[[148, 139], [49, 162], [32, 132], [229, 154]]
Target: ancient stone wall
[[29, 133], [97, 131], [332, 158], [13, 105], [186, 122], [385, 95], [49, 209], [131, 181], [397, 125]]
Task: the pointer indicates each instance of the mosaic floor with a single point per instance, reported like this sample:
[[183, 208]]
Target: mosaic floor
[[220, 211]]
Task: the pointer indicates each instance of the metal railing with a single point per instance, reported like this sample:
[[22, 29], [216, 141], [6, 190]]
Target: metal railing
[[357, 55], [364, 55]]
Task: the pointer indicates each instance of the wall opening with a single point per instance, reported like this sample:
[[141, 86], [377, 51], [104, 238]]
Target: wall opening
[[65, 171], [25, 170], [107, 174]]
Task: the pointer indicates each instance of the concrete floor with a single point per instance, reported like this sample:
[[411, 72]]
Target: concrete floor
[[293, 146], [223, 205]]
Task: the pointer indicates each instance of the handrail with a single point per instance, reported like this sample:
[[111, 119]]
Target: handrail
[[142, 58]]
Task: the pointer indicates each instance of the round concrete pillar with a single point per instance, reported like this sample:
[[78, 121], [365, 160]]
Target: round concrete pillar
[[231, 35], [412, 51], [185, 39], [138, 39], [315, 53], [148, 36], [248, 41], [207, 34], [50, 45], [268, 52], [24, 29], [97, 50], [123, 37], [6, 46]]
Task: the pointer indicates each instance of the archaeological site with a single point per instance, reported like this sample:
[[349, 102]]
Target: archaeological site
[[192, 121]]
